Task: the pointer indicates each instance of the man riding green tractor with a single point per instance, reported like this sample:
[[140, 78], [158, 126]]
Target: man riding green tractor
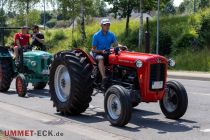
[[24, 63]]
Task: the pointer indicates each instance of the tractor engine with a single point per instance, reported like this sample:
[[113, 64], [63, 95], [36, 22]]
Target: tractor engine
[[126, 76], [37, 62]]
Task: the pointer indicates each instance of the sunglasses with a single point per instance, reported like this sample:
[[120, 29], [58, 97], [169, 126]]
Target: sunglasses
[[107, 24]]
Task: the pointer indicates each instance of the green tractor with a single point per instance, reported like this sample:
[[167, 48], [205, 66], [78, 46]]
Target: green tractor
[[32, 67]]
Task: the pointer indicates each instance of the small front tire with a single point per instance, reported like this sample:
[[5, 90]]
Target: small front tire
[[21, 85], [117, 105], [175, 101]]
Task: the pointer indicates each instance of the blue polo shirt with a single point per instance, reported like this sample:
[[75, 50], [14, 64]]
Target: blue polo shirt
[[103, 42]]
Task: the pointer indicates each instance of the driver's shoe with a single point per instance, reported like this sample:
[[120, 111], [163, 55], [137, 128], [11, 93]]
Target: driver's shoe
[[104, 84]]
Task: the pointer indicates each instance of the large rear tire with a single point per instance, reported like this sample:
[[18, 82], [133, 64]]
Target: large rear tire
[[6, 74], [117, 105], [175, 101], [70, 82]]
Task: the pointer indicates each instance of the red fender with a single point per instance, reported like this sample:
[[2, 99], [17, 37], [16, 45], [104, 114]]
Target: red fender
[[90, 58]]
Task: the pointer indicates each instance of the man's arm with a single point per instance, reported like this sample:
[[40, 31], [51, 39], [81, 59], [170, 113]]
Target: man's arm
[[94, 46], [41, 40], [96, 51], [17, 42]]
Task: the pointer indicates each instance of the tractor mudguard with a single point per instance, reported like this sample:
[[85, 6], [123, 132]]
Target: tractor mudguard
[[4, 52], [90, 59]]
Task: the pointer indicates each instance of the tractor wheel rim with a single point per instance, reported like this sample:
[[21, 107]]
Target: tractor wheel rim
[[19, 85], [114, 106], [170, 100], [62, 82]]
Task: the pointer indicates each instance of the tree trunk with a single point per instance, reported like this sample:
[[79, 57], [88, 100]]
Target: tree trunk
[[82, 20], [141, 26], [27, 11], [73, 11], [129, 10], [127, 24]]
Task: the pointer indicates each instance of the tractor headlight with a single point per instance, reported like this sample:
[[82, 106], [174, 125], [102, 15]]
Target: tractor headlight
[[171, 62], [33, 63], [139, 63]]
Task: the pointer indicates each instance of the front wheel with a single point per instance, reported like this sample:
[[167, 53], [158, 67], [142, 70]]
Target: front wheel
[[21, 85], [117, 105], [175, 101]]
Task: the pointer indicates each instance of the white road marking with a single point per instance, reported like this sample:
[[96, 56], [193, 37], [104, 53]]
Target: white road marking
[[205, 130], [203, 94]]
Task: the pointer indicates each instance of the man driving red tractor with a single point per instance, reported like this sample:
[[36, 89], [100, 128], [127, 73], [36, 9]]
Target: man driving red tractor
[[103, 40]]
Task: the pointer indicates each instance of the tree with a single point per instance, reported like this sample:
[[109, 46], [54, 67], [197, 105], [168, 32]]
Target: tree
[[204, 3], [182, 8], [124, 8], [24, 6], [48, 16], [100, 8], [72, 9], [34, 17], [169, 8]]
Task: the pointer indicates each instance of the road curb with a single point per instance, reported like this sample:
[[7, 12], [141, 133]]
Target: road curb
[[189, 77]]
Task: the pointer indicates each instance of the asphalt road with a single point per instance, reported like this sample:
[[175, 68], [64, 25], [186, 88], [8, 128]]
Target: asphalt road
[[35, 112]]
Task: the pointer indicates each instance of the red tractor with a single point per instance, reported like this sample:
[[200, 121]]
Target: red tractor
[[133, 78]]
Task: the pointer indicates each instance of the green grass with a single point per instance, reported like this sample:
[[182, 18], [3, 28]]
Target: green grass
[[193, 61]]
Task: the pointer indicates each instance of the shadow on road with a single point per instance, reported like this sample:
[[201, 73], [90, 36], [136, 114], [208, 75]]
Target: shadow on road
[[32, 93], [141, 119]]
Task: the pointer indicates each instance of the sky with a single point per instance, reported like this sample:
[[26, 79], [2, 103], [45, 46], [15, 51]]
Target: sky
[[177, 2]]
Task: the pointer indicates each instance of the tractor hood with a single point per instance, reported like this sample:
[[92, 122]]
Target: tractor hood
[[37, 62], [36, 54], [127, 58]]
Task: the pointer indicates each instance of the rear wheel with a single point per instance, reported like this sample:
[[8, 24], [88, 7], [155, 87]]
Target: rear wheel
[[6, 75], [21, 85], [70, 82], [117, 105], [175, 101], [40, 85]]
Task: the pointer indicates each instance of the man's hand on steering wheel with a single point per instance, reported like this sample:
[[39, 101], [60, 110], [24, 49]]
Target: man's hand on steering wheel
[[122, 48]]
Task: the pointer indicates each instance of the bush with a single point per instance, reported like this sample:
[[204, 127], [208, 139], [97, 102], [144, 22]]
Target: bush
[[59, 35], [165, 43], [204, 32], [51, 23], [186, 41]]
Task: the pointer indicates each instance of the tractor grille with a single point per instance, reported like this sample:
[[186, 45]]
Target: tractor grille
[[157, 73]]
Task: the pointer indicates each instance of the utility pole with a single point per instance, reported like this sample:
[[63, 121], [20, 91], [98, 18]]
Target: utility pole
[[158, 27], [1, 24], [140, 26], [194, 6], [44, 15]]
